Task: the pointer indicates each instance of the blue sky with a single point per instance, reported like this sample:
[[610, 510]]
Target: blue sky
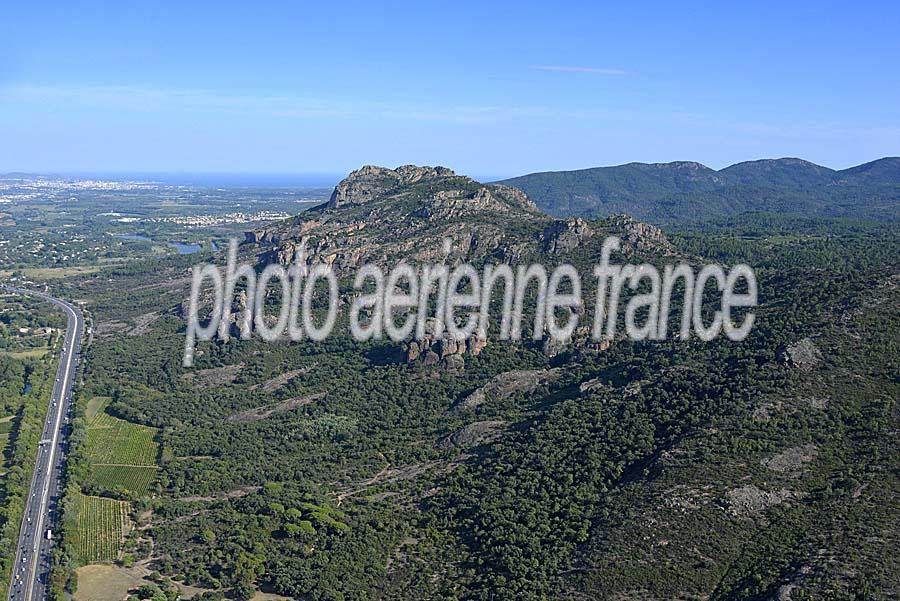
[[490, 90]]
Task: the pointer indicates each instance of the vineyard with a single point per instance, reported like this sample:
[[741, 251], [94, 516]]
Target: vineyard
[[128, 479], [96, 527], [122, 455], [115, 441]]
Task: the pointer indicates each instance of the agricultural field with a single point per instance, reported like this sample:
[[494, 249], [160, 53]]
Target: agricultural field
[[126, 479], [113, 441], [28, 354], [96, 527], [122, 455], [94, 406]]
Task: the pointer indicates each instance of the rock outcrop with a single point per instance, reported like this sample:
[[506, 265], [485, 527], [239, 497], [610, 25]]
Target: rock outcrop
[[444, 350], [563, 236], [592, 385], [803, 355], [581, 340], [469, 435], [640, 236], [370, 182], [381, 215], [260, 237], [504, 385], [791, 461], [749, 500]]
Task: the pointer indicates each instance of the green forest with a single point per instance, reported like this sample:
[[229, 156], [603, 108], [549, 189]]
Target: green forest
[[678, 470]]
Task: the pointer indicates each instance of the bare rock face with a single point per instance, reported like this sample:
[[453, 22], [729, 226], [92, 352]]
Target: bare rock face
[[750, 500], [785, 592], [370, 182], [442, 350], [445, 351], [791, 461], [581, 341], [505, 385], [239, 319], [516, 196], [431, 215], [377, 215], [552, 347], [640, 236], [803, 355], [592, 385], [446, 194], [380, 215], [469, 435], [563, 236], [767, 409], [475, 344], [453, 364], [452, 204], [261, 237]]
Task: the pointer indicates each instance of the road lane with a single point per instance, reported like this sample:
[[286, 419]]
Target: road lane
[[32, 565]]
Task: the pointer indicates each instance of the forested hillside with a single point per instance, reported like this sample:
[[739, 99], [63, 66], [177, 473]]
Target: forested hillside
[[688, 193], [344, 470]]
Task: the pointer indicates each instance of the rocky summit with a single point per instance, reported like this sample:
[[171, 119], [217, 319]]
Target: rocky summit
[[371, 181], [383, 215]]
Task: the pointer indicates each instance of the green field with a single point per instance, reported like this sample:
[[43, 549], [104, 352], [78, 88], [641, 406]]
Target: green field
[[95, 406], [96, 527], [114, 441], [53, 273], [122, 454], [122, 458], [127, 479], [35, 353]]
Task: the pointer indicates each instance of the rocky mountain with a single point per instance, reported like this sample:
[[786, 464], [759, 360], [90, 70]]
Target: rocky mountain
[[378, 214], [427, 215], [686, 192], [381, 215]]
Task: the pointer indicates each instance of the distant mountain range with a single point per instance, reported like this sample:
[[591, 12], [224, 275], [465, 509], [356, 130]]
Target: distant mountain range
[[685, 192]]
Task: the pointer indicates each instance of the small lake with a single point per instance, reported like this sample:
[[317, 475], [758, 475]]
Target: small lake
[[183, 248]]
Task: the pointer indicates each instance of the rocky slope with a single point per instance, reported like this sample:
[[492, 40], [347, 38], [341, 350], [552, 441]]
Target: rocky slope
[[384, 215], [427, 215]]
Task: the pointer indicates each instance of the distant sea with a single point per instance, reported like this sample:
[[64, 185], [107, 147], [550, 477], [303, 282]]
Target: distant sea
[[217, 180], [222, 180]]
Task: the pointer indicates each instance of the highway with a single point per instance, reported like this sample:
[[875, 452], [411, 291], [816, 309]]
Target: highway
[[32, 567]]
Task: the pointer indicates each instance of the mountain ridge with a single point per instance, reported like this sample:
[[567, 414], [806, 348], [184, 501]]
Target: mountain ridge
[[687, 191]]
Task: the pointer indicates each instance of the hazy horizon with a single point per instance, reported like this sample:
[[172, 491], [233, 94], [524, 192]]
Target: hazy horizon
[[325, 179], [502, 89]]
